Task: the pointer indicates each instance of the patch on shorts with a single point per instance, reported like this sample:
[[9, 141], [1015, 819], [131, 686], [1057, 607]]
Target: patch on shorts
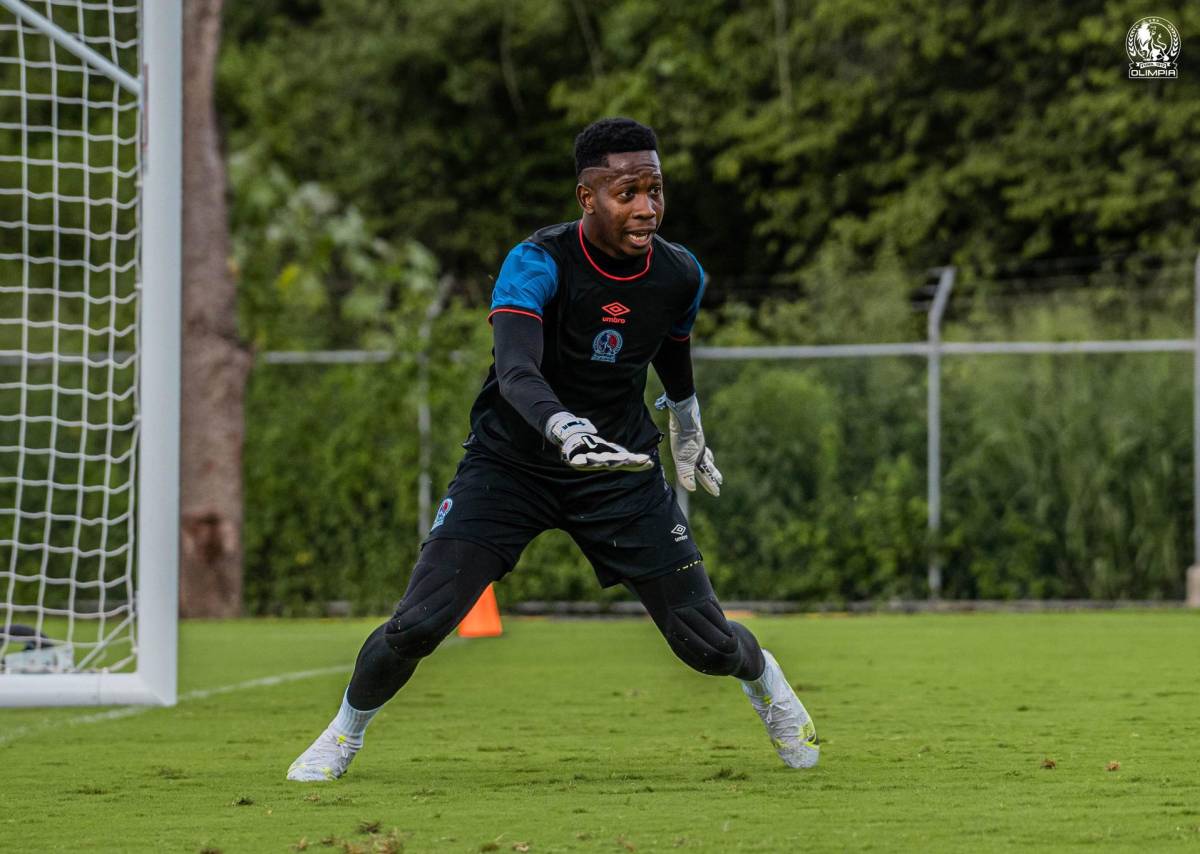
[[442, 511]]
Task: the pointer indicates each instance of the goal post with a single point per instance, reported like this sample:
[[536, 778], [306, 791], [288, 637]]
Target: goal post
[[90, 356]]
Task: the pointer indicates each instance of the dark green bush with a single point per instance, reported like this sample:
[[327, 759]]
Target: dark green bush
[[1063, 477]]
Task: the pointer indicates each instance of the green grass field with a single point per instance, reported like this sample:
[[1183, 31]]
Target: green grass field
[[589, 736]]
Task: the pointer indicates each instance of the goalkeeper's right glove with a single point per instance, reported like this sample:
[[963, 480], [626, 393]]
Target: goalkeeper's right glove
[[584, 450]]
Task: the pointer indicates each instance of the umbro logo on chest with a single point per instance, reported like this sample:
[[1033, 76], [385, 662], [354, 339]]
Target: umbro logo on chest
[[613, 312]]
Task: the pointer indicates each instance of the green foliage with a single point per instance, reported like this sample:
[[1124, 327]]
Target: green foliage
[[430, 115], [1068, 477], [313, 274], [814, 507], [330, 489], [331, 466], [815, 158], [792, 135], [1063, 477]]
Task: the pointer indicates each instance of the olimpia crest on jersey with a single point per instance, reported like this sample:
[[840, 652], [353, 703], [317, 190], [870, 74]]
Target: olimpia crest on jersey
[[606, 345]]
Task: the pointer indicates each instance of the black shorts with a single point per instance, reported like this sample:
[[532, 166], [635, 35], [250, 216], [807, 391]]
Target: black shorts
[[627, 524]]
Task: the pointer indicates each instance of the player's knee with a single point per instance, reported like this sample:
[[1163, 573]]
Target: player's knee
[[424, 617], [416, 629], [703, 639]]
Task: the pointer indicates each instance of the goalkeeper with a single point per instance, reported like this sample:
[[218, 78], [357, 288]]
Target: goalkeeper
[[560, 438]]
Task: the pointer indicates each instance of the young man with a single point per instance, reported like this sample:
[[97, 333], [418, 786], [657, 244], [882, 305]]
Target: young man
[[560, 438]]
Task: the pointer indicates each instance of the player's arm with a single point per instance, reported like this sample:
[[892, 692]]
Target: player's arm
[[526, 285], [517, 340], [673, 364], [518, 344]]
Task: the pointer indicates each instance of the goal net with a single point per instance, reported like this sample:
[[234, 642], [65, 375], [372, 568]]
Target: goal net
[[89, 350]]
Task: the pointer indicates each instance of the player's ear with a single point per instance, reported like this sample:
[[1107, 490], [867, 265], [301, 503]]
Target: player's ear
[[586, 198]]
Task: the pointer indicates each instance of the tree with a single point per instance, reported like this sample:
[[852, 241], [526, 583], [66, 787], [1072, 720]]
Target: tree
[[215, 361], [796, 137]]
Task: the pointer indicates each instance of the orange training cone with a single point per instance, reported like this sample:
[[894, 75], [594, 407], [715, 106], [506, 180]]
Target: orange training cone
[[483, 620]]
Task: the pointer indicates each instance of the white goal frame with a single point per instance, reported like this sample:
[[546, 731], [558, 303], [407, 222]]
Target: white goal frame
[[160, 91]]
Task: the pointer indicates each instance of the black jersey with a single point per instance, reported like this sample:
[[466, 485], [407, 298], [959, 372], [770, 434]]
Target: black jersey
[[601, 333]]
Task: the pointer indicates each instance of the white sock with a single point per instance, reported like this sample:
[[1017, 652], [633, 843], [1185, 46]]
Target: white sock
[[351, 722]]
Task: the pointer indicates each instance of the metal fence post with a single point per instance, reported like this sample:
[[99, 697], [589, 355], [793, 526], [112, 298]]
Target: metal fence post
[[681, 496], [934, 426], [1193, 574], [424, 419]]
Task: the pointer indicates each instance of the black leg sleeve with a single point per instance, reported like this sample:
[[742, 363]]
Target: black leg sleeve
[[685, 609], [447, 580], [378, 673]]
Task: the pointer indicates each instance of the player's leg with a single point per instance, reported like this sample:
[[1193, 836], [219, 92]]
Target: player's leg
[[633, 531], [446, 582], [449, 577], [686, 611], [488, 502]]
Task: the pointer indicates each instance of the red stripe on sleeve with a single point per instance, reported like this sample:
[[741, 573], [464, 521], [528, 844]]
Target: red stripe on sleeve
[[677, 338], [536, 317]]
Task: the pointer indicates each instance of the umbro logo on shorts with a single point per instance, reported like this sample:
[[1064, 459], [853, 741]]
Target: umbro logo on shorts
[[680, 533]]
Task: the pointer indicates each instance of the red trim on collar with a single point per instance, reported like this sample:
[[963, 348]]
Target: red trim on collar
[[677, 338], [537, 317], [596, 267]]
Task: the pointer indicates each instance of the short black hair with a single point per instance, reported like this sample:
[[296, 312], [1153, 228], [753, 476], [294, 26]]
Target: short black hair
[[611, 136]]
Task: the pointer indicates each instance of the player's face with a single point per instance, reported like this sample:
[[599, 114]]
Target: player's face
[[623, 202]]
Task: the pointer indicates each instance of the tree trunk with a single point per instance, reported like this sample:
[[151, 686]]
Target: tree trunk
[[215, 362]]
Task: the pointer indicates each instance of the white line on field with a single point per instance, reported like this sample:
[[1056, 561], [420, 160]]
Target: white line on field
[[199, 694]]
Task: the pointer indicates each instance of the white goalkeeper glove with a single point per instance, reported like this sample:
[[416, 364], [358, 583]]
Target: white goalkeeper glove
[[693, 459], [584, 450]]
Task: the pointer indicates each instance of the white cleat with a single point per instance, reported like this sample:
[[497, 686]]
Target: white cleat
[[787, 721], [327, 758]]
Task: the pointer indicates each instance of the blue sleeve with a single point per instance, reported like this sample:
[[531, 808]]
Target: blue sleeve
[[683, 326], [527, 282]]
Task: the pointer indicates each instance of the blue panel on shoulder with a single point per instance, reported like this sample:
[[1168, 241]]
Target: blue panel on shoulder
[[528, 279], [683, 326]]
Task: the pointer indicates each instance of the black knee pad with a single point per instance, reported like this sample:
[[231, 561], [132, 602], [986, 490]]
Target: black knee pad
[[702, 638], [427, 613]]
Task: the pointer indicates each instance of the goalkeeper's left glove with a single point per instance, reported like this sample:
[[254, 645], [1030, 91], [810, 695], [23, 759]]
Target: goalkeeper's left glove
[[693, 459]]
